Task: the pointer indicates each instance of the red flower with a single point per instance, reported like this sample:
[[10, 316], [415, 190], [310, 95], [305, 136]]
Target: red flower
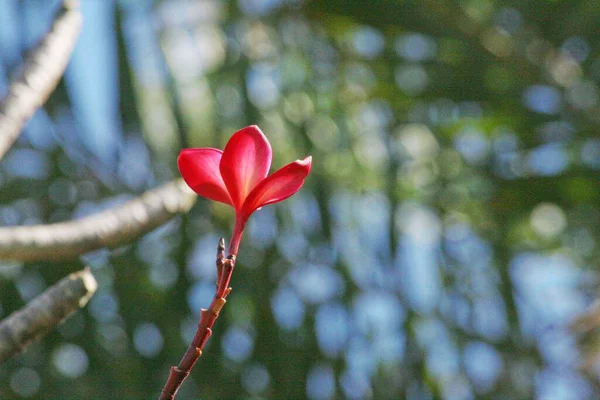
[[238, 175]]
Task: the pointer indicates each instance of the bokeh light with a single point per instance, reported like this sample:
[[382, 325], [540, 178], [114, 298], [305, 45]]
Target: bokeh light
[[442, 247]]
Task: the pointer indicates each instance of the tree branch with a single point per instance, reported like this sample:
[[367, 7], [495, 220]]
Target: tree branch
[[586, 328], [44, 312], [43, 69], [177, 374], [108, 228]]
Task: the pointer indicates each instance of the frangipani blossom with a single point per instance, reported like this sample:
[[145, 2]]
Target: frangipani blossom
[[238, 176]]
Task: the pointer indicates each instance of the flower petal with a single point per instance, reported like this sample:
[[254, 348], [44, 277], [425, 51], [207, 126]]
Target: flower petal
[[246, 161], [277, 187], [200, 170]]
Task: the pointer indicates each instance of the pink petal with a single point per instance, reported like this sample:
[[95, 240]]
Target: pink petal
[[200, 170], [246, 161], [277, 187]]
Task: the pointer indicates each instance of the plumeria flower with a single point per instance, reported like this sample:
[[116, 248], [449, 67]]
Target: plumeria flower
[[238, 176]]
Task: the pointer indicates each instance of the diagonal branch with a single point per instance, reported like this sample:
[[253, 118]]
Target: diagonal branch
[[44, 312], [108, 228], [586, 329], [177, 374], [42, 71]]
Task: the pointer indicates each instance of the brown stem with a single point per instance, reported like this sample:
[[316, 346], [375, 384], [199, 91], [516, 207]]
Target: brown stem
[[177, 375]]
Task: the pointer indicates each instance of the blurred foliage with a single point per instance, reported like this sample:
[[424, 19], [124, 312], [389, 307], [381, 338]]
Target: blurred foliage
[[446, 238]]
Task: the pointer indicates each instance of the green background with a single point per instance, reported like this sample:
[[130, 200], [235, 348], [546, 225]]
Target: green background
[[443, 243]]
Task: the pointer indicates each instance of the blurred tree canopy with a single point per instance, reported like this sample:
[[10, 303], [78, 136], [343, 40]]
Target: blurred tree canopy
[[442, 247]]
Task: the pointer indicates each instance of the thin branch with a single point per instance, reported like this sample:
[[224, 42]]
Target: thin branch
[[43, 69], [108, 228], [44, 312], [586, 328], [588, 320], [177, 375]]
